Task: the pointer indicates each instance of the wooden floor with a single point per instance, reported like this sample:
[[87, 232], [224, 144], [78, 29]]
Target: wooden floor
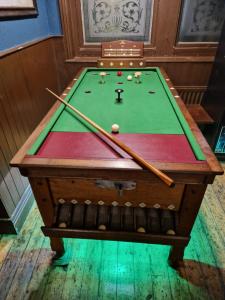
[[116, 270]]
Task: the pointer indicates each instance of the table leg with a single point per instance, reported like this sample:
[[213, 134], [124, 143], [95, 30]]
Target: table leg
[[176, 255], [47, 209], [191, 202], [57, 246]]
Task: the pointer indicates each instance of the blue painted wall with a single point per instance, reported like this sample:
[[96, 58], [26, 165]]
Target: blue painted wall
[[18, 31], [53, 17]]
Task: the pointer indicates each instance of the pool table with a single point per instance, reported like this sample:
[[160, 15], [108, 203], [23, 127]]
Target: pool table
[[78, 176]]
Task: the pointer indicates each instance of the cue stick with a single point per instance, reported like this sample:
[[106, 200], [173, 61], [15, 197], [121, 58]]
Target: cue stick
[[124, 147]]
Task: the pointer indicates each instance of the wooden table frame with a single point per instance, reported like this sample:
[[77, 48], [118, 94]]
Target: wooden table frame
[[194, 176]]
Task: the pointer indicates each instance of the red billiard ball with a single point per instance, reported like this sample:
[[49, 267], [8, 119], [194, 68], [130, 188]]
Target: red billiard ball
[[119, 73]]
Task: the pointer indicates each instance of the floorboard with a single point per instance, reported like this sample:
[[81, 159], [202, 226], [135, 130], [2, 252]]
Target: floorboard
[[116, 270]]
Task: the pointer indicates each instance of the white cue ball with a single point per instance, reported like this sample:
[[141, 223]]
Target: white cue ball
[[115, 128], [129, 77]]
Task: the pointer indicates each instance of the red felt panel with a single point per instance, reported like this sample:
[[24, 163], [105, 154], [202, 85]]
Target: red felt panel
[[85, 145]]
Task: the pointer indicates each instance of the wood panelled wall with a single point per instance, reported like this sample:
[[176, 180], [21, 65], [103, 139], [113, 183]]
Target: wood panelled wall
[[188, 65], [24, 75]]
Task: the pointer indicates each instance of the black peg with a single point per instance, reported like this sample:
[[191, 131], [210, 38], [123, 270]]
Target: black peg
[[119, 99]]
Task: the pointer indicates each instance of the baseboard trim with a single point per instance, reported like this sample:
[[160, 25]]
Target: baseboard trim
[[14, 224]]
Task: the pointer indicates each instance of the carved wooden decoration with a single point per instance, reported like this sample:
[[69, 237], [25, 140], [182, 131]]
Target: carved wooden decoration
[[122, 54], [121, 63], [122, 49]]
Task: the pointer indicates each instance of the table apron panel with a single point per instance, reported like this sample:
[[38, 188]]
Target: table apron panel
[[184, 177], [143, 193]]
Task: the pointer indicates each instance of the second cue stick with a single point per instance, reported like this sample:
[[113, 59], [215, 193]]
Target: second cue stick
[[133, 154]]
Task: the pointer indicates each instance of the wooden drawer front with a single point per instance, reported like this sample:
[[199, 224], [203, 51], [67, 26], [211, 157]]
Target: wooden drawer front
[[144, 194]]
